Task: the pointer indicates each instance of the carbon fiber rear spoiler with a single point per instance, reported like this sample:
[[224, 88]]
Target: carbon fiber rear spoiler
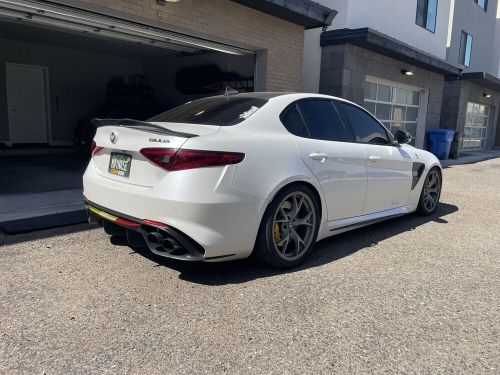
[[140, 125]]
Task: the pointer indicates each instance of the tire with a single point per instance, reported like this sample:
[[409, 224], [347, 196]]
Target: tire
[[282, 221], [431, 192]]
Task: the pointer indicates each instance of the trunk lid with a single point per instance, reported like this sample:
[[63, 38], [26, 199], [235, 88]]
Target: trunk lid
[[121, 141]]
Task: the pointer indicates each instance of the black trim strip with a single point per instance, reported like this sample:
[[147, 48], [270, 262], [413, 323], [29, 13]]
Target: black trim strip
[[479, 78], [368, 222], [219, 257], [385, 45]]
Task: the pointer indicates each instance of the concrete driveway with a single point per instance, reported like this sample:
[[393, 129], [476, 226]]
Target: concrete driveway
[[410, 295]]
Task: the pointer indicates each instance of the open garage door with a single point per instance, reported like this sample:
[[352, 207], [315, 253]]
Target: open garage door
[[85, 65], [68, 18]]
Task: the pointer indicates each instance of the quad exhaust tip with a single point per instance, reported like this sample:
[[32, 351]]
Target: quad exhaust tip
[[154, 238]]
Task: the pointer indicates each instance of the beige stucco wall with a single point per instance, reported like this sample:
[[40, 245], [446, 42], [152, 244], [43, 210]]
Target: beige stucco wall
[[225, 19]]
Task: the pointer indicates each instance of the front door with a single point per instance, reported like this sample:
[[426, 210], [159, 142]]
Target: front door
[[389, 172], [389, 168], [26, 103], [326, 146]]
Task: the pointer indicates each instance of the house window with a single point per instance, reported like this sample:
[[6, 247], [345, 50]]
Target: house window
[[397, 108], [465, 49], [483, 4], [476, 126], [426, 14]]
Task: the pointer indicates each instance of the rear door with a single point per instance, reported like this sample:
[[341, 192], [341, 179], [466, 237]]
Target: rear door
[[327, 148], [389, 167]]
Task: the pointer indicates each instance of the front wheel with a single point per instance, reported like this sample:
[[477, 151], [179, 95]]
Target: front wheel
[[431, 191], [289, 228]]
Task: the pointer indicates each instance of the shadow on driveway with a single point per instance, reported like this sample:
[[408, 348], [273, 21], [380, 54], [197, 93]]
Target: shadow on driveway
[[327, 250]]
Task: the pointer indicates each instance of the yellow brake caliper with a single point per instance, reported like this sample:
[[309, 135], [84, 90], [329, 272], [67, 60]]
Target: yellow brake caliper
[[276, 232]]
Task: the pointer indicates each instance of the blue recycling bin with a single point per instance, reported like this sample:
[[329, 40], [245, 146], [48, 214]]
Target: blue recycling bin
[[439, 141]]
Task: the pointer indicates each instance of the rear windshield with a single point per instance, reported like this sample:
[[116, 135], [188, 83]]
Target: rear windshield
[[220, 111]]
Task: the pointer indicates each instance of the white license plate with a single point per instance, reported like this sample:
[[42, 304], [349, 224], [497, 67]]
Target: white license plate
[[119, 164]]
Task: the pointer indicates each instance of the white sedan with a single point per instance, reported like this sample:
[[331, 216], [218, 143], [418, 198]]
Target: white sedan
[[265, 173]]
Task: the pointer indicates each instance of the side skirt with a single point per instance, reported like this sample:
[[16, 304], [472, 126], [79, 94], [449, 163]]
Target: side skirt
[[344, 225]]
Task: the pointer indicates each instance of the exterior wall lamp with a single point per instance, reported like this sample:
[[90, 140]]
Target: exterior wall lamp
[[406, 72]]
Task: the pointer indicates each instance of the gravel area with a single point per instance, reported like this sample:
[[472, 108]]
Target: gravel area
[[410, 295]]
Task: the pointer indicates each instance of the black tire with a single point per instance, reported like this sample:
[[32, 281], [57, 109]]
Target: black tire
[[266, 248], [424, 208]]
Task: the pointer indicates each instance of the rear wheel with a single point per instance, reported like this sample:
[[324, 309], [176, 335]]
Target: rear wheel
[[289, 228], [431, 191]]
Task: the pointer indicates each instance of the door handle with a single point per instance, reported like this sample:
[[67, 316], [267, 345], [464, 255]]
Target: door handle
[[374, 158], [321, 156]]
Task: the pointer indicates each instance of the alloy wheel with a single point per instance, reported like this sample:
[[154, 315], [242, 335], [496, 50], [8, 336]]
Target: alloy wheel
[[294, 225], [432, 187]]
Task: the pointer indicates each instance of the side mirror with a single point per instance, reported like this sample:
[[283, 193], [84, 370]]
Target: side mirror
[[402, 136]]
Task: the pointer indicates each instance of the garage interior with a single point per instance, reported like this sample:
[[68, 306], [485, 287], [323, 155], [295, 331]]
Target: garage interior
[[59, 70]]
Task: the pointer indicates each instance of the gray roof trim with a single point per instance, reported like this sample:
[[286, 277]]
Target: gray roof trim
[[479, 78], [385, 45], [306, 13]]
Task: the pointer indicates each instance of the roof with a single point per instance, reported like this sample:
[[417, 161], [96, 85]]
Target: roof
[[384, 44], [480, 78], [306, 13]]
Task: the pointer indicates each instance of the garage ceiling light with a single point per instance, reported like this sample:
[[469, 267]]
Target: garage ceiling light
[[42, 13], [51, 22], [162, 2]]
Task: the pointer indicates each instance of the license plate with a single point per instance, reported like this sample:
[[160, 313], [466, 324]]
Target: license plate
[[119, 164]]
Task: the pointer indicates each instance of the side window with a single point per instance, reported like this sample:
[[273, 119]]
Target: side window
[[465, 49], [293, 122], [323, 121], [365, 128]]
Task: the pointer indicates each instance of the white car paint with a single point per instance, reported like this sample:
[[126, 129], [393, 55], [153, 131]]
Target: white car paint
[[221, 208]]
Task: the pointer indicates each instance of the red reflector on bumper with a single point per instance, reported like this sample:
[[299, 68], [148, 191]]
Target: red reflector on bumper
[[155, 223], [127, 223]]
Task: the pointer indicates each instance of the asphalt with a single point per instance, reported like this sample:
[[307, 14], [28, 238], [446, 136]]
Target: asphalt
[[411, 295]]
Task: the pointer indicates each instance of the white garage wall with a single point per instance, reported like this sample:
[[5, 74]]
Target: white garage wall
[[395, 18], [469, 17], [77, 77]]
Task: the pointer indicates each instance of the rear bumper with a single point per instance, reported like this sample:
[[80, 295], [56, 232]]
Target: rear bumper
[[203, 207], [161, 240]]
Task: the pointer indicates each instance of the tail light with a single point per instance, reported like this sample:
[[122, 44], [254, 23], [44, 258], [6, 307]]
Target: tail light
[[94, 148], [176, 160]]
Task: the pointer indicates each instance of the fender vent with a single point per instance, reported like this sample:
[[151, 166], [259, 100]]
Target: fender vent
[[418, 170]]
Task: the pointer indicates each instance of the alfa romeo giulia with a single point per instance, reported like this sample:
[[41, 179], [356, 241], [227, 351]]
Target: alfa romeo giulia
[[268, 174]]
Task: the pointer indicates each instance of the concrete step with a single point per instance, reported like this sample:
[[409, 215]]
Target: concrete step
[[28, 212]]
